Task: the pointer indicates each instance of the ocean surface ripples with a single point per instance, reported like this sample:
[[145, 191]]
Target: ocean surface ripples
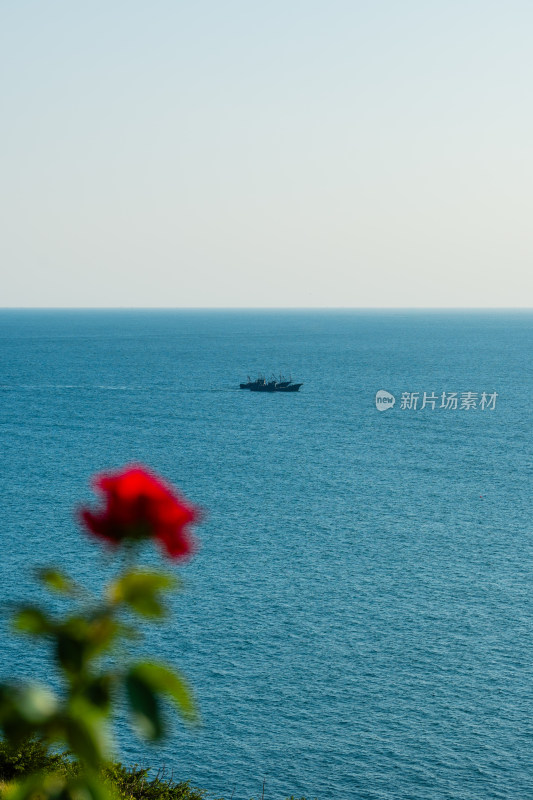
[[359, 620]]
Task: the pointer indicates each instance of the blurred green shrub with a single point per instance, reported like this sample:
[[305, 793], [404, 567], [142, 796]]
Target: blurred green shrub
[[88, 646]]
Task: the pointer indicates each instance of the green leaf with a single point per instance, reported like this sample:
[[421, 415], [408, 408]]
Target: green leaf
[[86, 736], [164, 680], [56, 580], [25, 710], [144, 705], [71, 651], [30, 619], [142, 592], [35, 704], [98, 692]]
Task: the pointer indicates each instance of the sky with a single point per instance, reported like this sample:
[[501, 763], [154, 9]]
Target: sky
[[295, 153]]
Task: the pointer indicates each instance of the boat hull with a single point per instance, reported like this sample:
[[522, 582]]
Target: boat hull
[[265, 387], [292, 387]]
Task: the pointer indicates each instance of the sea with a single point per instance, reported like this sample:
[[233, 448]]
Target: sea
[[358, 620]]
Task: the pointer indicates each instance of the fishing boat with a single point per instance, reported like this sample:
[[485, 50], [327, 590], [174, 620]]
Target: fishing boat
[[272, 385]]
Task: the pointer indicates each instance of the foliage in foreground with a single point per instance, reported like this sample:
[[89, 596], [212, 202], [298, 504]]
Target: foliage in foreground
[[91, 646], [30, 756], [124, 783]]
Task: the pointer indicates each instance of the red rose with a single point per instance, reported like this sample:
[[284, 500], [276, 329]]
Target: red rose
[[138, 505]]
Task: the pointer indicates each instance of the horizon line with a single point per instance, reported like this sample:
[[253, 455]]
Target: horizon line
[[268, 308]]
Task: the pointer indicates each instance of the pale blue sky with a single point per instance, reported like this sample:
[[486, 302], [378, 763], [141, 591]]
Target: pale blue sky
[[216, 153]]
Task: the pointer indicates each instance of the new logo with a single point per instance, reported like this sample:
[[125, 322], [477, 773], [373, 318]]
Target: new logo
[[384, 400]]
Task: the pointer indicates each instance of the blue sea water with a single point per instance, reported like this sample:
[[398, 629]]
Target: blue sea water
[[358, 622]]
